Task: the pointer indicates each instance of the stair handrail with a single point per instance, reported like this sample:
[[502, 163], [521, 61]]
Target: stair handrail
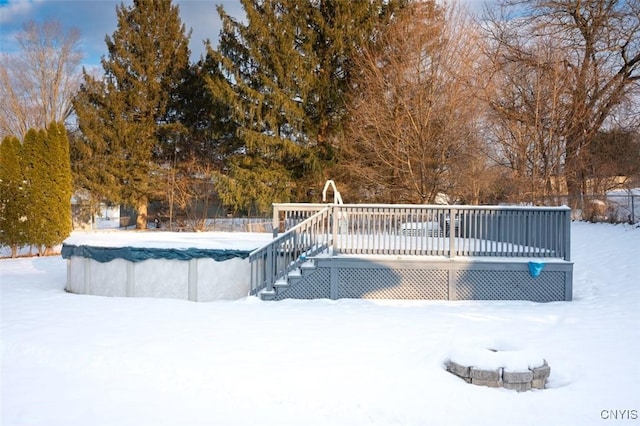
[[287, 251]]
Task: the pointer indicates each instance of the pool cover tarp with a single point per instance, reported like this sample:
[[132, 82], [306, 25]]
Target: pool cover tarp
[[138, 254]]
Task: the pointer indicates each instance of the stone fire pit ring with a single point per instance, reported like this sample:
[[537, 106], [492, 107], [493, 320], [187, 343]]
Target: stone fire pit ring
[[510, 369]]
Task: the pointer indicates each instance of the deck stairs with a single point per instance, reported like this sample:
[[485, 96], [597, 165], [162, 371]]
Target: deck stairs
[[295, 277], [291, 256]]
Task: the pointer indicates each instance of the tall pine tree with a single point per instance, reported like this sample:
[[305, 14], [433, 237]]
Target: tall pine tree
[[288, 69], [203, 129], [122, 115]]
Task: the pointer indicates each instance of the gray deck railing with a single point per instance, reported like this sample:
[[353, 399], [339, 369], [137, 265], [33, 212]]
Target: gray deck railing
[[425, 230], [452, 231], [287, 215]]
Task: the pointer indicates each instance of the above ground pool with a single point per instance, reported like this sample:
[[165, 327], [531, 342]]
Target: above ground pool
[[200, 266]]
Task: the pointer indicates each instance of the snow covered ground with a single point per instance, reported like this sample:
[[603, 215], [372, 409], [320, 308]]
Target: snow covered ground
[[77, 360]]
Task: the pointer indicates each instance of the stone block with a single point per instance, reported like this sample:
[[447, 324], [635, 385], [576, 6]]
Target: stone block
[[489, 375], [520, 387], [458, 370], [541, 372], [489, 383], [538, 383], [517, 376]]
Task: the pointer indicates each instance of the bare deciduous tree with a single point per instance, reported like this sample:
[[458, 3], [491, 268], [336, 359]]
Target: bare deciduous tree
[[613, 159], [189, 191], [599, 43], [525, 91], [38, 82], [412, 115]]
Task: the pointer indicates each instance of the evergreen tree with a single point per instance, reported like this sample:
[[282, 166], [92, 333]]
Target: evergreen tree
[[288, 70], [122, 116], [203, 130], [13, 203], [59, 209], [38, 190]]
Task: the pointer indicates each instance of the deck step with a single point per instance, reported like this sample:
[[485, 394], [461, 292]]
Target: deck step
[[307, 267], [282, 283], [267, 294], [301, 272]]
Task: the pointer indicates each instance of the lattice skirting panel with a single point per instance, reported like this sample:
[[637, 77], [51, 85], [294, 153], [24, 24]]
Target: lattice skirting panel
[[423, 278], [386, 283], [316, 285], [509, 285]]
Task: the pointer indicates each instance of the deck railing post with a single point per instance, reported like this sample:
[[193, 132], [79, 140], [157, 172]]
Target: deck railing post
[[567, 234], [270, 270], [275, 223], [452, 232], [335, 213]]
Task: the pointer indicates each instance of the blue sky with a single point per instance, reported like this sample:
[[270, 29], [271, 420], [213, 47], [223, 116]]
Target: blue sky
[[97, 18]]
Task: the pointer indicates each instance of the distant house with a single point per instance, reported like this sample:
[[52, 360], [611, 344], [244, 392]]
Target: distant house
[[107, 216]]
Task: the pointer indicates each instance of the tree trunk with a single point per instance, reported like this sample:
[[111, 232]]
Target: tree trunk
[[141, 219], [573, 174]]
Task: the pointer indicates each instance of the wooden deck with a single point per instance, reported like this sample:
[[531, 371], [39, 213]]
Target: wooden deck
[[415, 252]]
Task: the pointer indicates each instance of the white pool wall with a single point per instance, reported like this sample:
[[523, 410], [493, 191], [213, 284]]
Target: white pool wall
[[199, 280]]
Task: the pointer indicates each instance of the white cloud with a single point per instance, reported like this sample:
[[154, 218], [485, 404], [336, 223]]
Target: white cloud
[[16, 10]]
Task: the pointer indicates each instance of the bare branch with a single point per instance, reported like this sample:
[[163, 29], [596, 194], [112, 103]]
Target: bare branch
[[39, 81]]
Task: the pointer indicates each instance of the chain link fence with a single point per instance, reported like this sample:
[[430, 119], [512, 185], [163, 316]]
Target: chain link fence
[[619, 206], [217, 224]]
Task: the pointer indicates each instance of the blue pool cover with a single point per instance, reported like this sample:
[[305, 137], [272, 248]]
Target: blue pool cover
[[138, 254]]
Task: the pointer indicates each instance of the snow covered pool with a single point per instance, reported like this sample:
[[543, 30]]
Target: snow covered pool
[[191, 266]]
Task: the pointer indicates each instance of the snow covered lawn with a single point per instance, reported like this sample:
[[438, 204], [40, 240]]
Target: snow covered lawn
[[77, 360]]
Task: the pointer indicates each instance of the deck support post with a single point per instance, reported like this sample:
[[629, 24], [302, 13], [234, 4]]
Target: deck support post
[[452, 284], [568, 285], [334, 292]]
